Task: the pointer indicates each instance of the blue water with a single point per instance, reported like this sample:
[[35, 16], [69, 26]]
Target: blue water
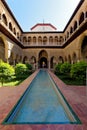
[[40, 104]]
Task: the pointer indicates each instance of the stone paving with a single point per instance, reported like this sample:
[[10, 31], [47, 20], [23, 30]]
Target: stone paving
[[75, 95]]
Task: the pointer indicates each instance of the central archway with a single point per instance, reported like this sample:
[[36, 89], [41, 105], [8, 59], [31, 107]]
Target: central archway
[[43, 62], [43, 59]]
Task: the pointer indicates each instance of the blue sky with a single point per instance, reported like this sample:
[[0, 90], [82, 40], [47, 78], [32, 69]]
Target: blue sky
[[30, 12]]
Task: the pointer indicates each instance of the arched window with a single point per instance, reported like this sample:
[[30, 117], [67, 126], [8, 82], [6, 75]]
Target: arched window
[[52, 62], [10, 26], [25, 59], [61, 39], [51, 40], [40, 40], [18, 35], [29, 40], [75, 25], [33, 60], [71, 30], [34, 39], [60, 59], [44, 40], [4, 19], [81, 18], [14, 31], [24, 39], [56, 40]]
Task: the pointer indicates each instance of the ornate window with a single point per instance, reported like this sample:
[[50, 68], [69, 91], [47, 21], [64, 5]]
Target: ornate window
[[61, 39], [14, 31], [10, 26], [24, 39], [75, 25], [34, 39], [81, 18], [4, 19], [71, 30], [39, 40], [56, 40], [44, 40], [51, 40]]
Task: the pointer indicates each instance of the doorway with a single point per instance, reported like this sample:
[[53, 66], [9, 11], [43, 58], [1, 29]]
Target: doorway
[[43, 62]]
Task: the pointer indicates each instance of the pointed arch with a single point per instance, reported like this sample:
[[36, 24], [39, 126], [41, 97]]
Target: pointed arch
[[18, 36], [24, 39], [29, 40], [43, 59], [44, 40], [75, 25], [10, 26], [81, 18], [52, 62], [39, 40], [71, 30], [25, 59], [4, 19], [61, 39], [50, 40], [34, 40], [56, 40], [60, 59], [14, 30]]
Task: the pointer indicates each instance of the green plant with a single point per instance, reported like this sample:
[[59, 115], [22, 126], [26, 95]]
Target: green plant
[[65, 68], [29, 66], [57, 69], [20, 70], [78, 71], [6, 72]]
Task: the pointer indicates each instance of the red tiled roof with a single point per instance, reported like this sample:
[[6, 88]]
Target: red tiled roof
[[43, 24]]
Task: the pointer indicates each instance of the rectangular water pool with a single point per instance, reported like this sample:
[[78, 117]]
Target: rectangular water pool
[[42, 103]]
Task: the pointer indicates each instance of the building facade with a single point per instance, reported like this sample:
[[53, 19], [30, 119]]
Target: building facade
[[43, 45]]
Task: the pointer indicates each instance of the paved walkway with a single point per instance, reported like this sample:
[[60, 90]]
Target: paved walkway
[[75, 95]]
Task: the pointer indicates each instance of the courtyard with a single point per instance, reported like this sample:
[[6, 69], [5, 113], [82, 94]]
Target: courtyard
[[75, 96]]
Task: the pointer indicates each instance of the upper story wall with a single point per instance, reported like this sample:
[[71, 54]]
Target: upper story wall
[[42, 39], [77, 20], [8, 21]]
